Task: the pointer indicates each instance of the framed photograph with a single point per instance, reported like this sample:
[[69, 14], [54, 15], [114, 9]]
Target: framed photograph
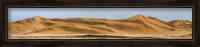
[[101, 22]]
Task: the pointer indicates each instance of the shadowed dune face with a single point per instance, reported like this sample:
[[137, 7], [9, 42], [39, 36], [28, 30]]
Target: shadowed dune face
[[138, 24]]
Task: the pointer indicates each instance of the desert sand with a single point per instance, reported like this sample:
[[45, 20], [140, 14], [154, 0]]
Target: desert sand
[[136, 27]]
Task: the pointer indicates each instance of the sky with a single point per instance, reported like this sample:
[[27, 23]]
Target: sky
[[165, 14]]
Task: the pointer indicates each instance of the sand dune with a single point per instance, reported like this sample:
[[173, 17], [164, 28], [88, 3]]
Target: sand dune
[[138, 25]]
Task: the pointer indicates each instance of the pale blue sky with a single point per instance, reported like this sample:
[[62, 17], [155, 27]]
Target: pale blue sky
[[165, 14]]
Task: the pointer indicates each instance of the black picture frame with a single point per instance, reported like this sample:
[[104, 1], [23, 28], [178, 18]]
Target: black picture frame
[[102, 4]]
